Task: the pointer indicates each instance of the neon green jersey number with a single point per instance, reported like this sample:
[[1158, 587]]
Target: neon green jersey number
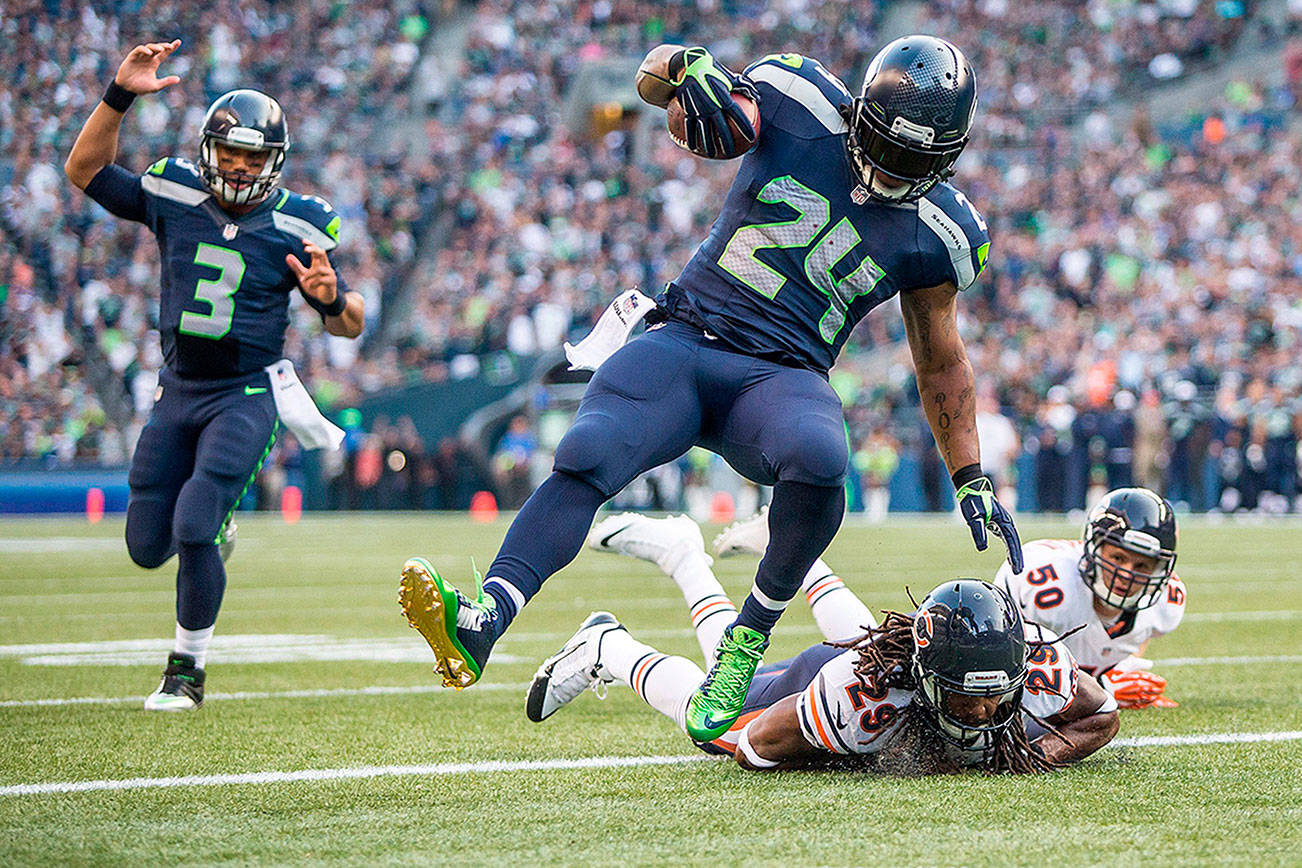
[[740, 261], [218, 293]]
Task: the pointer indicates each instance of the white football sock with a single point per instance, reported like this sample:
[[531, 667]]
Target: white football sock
[[710, 608], [840, 615], [194, 643], [663, 681]]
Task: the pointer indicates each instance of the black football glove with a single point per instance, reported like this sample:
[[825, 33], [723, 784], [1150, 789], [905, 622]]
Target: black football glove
[[982, 512], [705, 89]]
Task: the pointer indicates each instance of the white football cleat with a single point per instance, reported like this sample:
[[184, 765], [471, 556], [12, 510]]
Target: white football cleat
[[748, 536], [663, 541], [571, 670]]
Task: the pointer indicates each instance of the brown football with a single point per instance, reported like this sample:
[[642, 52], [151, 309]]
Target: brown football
[[676, 121]]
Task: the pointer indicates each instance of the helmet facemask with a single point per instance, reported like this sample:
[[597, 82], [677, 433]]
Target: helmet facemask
[[1139, 590], [934, 691], [897, 164], [240, 188]]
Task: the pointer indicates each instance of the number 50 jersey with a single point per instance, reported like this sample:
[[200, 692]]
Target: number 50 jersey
[[224, 305], [800, 253]]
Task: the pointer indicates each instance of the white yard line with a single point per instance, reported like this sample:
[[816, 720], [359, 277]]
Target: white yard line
[[1216, 661], [1267, 615], [495, 766], [387, 690]]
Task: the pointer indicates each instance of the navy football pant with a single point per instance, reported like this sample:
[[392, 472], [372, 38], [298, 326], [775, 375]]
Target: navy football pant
[[649, 403], [197, 455]]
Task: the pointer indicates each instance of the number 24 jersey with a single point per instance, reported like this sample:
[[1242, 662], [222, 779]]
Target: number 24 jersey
[[799, 253]]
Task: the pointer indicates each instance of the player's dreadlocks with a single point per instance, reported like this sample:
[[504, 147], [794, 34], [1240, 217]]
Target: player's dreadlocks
[[886, 661]]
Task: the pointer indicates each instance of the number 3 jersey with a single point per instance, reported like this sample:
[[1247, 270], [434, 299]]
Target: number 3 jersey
[[224, 305], [839, 714], [799, 253], [1050, 591]]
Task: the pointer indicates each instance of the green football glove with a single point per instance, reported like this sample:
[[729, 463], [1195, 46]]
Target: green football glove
[[705, 89], [982, 512]]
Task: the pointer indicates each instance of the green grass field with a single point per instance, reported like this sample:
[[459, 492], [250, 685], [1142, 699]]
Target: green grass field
[[333, 682]]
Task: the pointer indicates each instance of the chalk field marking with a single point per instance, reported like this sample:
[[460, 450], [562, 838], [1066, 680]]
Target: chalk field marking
[[385, 690], [58, 544], [249, 648], [1267, 615], [496, 766]]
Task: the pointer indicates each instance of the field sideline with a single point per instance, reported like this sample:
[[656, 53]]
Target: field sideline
[[325, 739]]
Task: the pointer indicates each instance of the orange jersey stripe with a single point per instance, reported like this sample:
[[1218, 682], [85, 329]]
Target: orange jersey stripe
[[811, 699], [728, 741]]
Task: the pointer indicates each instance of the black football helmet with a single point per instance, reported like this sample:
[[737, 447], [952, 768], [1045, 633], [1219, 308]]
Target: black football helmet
[[253, 121], [1137, 520], [911, 118], [968, 640]]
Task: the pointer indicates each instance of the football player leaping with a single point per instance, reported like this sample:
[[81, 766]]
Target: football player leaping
[[839, 205], [963, 682], [1118, 581], [234, 246]]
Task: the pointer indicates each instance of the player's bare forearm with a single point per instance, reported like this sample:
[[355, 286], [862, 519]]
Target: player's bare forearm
[[349, 323], [1083, 725], [945, 380], [653, 83], [96, 146], [97, 143], [775, 741], [1084, 737]]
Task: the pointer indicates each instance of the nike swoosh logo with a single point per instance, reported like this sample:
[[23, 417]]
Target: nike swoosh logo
[[254, 390], [711, 723], [610, 536]]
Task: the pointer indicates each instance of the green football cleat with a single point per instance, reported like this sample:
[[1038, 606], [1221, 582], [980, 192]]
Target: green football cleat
[[460, 631], [717, 703]]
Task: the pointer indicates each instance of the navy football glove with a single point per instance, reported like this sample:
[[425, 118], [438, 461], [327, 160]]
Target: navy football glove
[[982, 512], [705, 89]]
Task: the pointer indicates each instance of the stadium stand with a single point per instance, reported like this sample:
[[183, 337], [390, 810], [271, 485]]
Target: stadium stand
[[1138, 320]]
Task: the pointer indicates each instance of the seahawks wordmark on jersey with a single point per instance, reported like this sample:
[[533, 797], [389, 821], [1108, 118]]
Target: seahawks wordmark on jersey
[[799, 254], [1050, 591], [225, 285]]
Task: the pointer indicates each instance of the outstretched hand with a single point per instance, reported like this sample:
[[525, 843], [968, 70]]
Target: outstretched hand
[[982, 512], [316, 279], [139, 72]]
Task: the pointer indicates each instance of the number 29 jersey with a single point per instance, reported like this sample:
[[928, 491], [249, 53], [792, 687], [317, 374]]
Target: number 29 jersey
[[800, 253], [838, 713], [224, 304]]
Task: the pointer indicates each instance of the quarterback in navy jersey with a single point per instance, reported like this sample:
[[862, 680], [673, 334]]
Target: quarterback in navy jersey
[[234, 246], [838, 205]]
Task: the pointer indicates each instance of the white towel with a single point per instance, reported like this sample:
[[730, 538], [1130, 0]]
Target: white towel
[[611, 331], [298, 411]]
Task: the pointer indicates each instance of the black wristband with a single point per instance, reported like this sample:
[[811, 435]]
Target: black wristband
[[964, 475], [337, 306], [118, 97]]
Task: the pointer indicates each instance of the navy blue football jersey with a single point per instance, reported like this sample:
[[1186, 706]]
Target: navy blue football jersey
[[224, 306], [799, 253]]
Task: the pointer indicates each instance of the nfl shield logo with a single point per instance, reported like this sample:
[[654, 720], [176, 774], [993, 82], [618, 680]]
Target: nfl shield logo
[[859, 195], [229, 232]]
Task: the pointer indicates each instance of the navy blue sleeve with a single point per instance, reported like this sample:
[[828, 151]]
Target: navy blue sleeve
[[119, 191]]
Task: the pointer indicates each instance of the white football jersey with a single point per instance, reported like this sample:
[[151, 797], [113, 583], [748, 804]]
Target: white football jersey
[[1051, 592], [837, 713]]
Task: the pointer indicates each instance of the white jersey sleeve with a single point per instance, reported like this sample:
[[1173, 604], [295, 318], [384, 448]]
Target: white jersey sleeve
[[839, 714]]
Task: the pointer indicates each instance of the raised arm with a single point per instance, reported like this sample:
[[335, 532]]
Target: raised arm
[[948, 391], [97, 143], [704, 89]]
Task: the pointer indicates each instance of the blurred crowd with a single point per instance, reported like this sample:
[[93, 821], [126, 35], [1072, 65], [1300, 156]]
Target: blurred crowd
[[1138, 319], [79, 289]]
